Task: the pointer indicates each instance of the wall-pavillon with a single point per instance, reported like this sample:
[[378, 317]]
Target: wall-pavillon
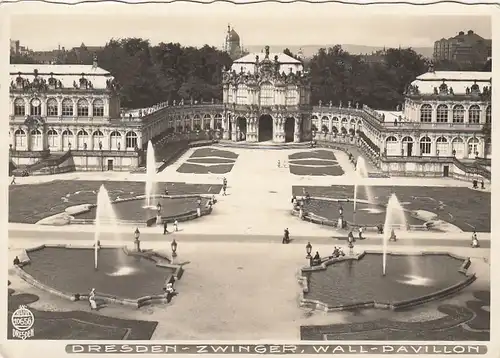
[[267, 98]]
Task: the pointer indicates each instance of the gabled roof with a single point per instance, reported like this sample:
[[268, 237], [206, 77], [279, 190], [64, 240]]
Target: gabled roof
[[458, 80]]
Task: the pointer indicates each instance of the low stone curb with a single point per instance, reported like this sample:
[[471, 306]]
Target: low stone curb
[[156, 257], [304, 283]]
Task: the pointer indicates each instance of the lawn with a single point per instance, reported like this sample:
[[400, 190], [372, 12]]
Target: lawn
[[205, 169], [465, 208], [32, 202]]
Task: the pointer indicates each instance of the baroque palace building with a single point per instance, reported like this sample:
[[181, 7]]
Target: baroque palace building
[[59, 110], [266, 97]]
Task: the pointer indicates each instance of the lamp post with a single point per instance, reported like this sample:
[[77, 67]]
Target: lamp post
[[341, 217], [137, 242], [173, 245]]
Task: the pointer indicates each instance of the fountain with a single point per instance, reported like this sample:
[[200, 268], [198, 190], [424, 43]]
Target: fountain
[[361, 173], [106, 219], [394, 216], [150, 175]]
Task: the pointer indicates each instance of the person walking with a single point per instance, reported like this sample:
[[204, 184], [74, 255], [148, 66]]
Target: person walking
[[13, 181], [176, 225], [165, 227], [360, 233]]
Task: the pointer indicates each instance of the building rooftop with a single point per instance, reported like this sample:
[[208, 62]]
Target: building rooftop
[[390, 116], [457, 80], [67, 74], [282, 58]]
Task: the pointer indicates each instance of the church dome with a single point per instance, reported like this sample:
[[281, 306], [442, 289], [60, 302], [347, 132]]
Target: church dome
[[233, 36]]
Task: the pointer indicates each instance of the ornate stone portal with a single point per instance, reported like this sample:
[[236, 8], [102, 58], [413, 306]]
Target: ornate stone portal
[[264, 103]]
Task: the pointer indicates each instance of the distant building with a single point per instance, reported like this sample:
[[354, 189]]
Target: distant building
[[465, 48], [232, 44], [374, 57], [17, 49]]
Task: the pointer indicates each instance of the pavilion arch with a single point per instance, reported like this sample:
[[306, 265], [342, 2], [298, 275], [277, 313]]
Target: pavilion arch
[[442, 147], [344, 121], [218, 121], [20, 138], [52, 139], [67, 137], [36, 138], [407, 146], [82, 139], [98, 137], [458, 147], [392, 146], [114, 140]]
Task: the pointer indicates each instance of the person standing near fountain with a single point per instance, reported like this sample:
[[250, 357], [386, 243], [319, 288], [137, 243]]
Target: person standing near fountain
[[393, 236], [475, 241], [361, 233]]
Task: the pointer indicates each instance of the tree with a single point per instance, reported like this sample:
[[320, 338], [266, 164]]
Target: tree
[[22, 58]]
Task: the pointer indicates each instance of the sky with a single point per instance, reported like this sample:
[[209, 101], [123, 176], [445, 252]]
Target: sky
[[294, 28]]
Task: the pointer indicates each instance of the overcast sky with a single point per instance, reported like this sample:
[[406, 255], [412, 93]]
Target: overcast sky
[[45, 32]]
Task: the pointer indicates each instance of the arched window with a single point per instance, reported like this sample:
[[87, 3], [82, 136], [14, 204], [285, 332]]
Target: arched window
[[36, 139], [426, 113], [473, 147], [344, 121], [67, 107], [35, 107], [392, 146], [218, 121], [488, 114], [114, 141], [425, 145], [196, 122], [266, 94], [442, 113], [474, 114], [19, 107], [457, 147], [82, 139], [20, 139], [52, 107], [207, 121], [52, 139], [458, 114], [442, 147], [98, 137], [325, 123], [98, 108], [82, 107], [67, 137], [131, 140]]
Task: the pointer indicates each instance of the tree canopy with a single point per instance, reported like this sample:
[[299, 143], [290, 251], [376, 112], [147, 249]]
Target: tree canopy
[[169, 71]]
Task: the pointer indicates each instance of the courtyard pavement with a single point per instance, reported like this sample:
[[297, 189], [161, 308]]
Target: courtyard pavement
[[245, 289]]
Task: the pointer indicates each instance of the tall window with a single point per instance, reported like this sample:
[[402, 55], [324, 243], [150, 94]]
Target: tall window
[[241, 94], [218, 121], [425, 145], [82, 108], [20, 138], [207, 121], [98, 108], [52, 137], [291, 96], [458, 114], [392, 146], [115, 138], [36, 107], [426, 113], [442, 147], [196, 122], [67, 137], [131, 140], [82, 138], [19, 107], [488, 114], [474, 114], [325, 124], [442, 113], [52, 107], [67, 107], [266, 94], [98, 138]]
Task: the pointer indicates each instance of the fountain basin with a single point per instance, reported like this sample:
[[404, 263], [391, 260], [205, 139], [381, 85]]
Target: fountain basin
[[133, 211], [325, 211], [68, 271], [412, 279]]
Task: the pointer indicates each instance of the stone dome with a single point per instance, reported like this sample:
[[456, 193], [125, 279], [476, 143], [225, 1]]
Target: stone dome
[[233, 36]]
